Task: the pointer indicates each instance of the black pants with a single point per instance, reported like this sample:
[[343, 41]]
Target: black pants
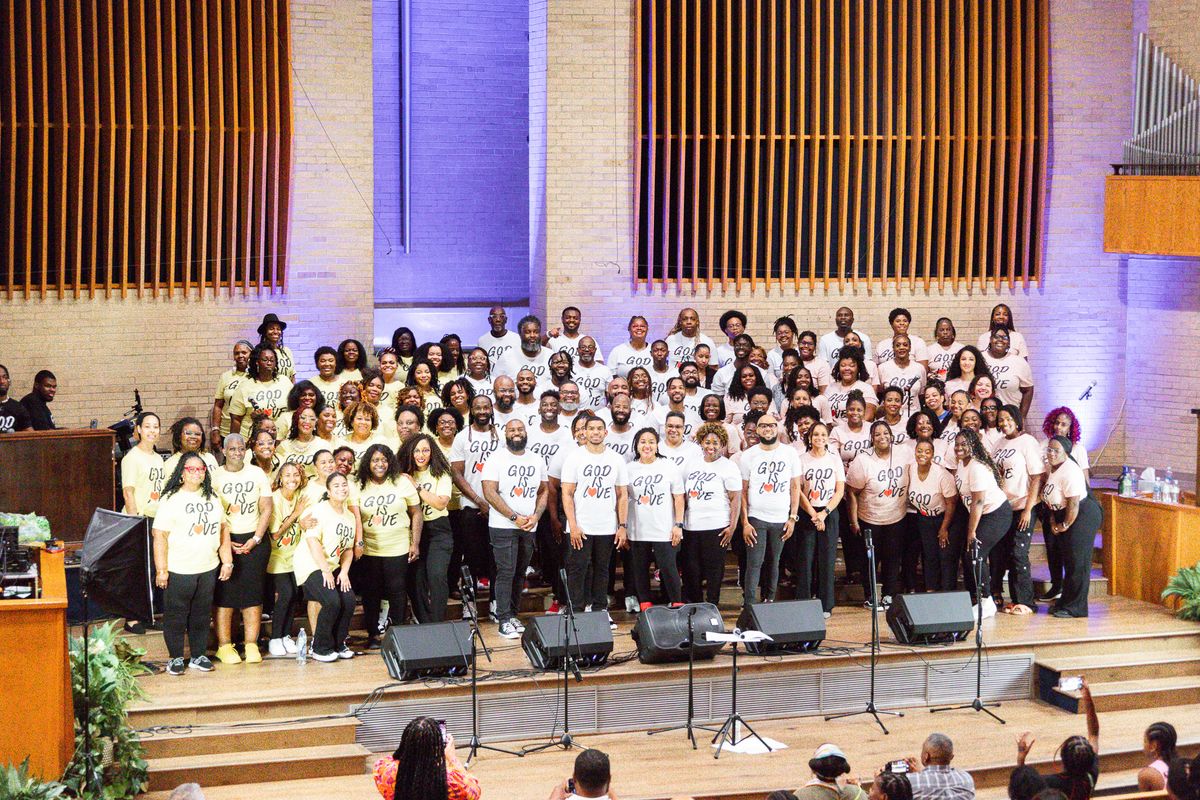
[[473, 546], [513, 550], [940, 563], [1012, 553], [990, 530], [187, 611], [911, 554], [816, 557], [337, 607], [703, 566], [666, 556], [287, 597], [854, 550], [1055, 549], [596, 553], [428, 586], [382, 578], [550, 555], [888, 541], [1077, 543]]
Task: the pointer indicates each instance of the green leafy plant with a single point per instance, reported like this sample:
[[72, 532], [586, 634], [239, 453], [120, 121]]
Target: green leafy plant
[[17, 784], [1185, 587], [116, 768]]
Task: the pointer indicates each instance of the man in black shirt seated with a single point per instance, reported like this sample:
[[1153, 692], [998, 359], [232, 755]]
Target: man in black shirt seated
[[13, 416], [37, 402]]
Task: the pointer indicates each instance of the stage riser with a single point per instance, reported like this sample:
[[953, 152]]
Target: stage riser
[[601, 708], [295, 763], [1128, 672], [204, 741]]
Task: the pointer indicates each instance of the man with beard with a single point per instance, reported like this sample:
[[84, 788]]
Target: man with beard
[[37, 403], [831, 343], [556, 515], [676, 395], [514, 485], [13, 416], [469, 454], [741, 358], [595, 485], [547, 439], [498, 340], [660, 371], [568, 403], [770, 503], [677, 445], [526, 406], [620, 433], [693, 391], [567, 338], [506, 397], [590, 375], [530, 354]]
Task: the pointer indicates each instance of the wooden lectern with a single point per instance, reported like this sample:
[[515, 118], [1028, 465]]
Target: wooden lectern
[[37, 718], [62, 475], [1196, 411]]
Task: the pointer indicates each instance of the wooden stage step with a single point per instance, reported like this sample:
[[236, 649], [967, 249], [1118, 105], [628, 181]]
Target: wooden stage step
[[180, 741], [1140, 693], [256, 766]]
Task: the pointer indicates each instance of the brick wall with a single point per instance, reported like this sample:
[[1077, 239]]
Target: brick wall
[[469, 158], [1174, 25], [1075, 321], [174, 349]]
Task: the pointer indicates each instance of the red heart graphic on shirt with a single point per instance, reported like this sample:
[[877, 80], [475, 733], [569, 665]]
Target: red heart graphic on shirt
[[517, 491], [591, 490], [768, 487], [644, 499], [154, 495], [887, 492], [376, 520], [694, 493], [198, 529], [235, 509], [814, 495], [478, 467]]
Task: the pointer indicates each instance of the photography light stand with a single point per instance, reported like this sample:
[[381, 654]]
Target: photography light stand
[[871, 709], [690, 727], [467, 589], [977, 704], [569, 667]]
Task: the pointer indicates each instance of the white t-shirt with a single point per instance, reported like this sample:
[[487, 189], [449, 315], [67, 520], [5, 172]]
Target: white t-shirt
[[514, 361], [1018, 459], [722, 355], [837, 395], [848, 444], [554, 470], [940, 359], [978, 478], [686, 452], [621, 443], [565, 344], [725, 376], [1064, 483], [518, 478], [885, 352], [1016, 343], [548, 445], [692, 401], [1009, 374], [883, 485], [497, 347], [652, 488], [829, 345], [474, 448], [931, 496], [592, 381], [623, 358], [595, 477], [527, 413], [658, 383], [769, 474], [706, 490], [910, 380], [682, 347], [820, 477], [483, 386], [1078, 453], [691, 420], [820, 370]]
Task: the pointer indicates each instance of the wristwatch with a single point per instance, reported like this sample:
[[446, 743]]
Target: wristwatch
[[677, 525], [622, 525], [512, 517], [794, 517]]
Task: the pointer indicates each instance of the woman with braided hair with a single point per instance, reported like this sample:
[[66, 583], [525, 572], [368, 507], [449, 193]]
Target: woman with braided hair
[[1080, 755], [980, 485], [1158, 743], [425, 767]]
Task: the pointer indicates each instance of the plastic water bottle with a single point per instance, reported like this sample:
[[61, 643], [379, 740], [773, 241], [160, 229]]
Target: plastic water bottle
[[302, 647], [1158, 490], [1125, 484], [1168, 487]]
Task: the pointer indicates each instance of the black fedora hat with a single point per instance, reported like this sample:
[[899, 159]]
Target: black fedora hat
[[270, 319]]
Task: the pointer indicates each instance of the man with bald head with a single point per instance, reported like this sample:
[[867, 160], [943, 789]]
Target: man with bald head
[[770, 506], [590, 374], [933, 778], [831, 343]]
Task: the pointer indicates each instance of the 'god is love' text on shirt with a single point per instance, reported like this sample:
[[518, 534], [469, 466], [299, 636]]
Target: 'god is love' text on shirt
[[192, 523], [474, 448], [707, 485], [652, 490], [595, 477], [769, 475], [517, 478], [883, 485]]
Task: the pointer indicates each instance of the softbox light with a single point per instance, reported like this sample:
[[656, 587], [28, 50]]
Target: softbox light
[[115, 565]]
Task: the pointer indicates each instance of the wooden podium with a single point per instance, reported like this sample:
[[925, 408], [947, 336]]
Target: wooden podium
[[37, 719]]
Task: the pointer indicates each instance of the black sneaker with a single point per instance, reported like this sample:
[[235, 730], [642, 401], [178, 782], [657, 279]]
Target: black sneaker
[[176, 666], [1053, 593], [135, 627], [201, 663]]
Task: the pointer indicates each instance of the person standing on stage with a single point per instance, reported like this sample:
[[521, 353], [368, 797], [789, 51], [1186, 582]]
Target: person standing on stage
[[1075, 517], [472, 448], [143, 474], [219, 418], [656, 521], [422, 460], [270, 332], [684, 337], [713, 494], [288, 504], [941, 353], [262, 394], [932, 501], [589, 374], [498, 341], [635, 352], [1019, 457], [547, 439], [391, 535], [595, 484], [567, 338], [322, 565], [770, 506], [900, 319], [191, 554], [1011, 374], [878, 480], [245, 494], [822, 484], [530, 355], [980, 485], [1002, 319], [1060, 422], [514, 485], [830, 344]]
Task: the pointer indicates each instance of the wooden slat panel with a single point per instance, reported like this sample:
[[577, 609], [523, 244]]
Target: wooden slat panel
[[222, 268], [898, 113], [93, 164], [110, 189], [43, 81], [697, 80], [772, 147], [171, 157], [158, 101], [1043, 34], [873, 142], [1016, 87], [743, 136], [830, 138], [638, 32], [1002, 27], [844, 150], [79, 125], [652, 128], [125, 113], [233, 154], [63, 146], [284, 172], [1030, 83], [987, 134], [246, 150], [814, 139], [944, 140], [728, 132], [187, 144], [10, 138], [959, 141], [667, 80], [967, 254], [756, 143], [681, 157], [27, 264], [200, 46], [858, 136], [141, 125], [930, 155], [712, 141], [270, 223], [260, 138], [788, 133]]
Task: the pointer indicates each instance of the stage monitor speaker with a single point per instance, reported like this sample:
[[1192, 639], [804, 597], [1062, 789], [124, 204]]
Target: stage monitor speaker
[[661, 632], [931, 618], [115, 561], [433, 649], [545, 639], [796, 626]]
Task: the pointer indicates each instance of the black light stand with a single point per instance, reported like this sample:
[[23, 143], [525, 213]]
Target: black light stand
[[691, 708], [977, 704], [467, 588], [569, 667], [871, 709], [728, 731]]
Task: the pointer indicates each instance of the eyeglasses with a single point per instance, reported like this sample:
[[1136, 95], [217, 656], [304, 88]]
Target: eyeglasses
[[200, 470]]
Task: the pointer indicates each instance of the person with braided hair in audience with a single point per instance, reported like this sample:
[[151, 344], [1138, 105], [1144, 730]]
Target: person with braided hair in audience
[[891, 786], [1080, 755], [425, 766], [1158, 743]]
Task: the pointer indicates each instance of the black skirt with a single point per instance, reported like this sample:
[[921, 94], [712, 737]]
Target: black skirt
[[244, 589]]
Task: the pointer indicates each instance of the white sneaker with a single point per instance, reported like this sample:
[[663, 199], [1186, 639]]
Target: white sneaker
[[326, 657], [989, 608], [466, 612], [508, 630], [289, 645], [345, 653], [611, 622], [383, 615], [275, 648], [492, 611], [827, 614], [631, 604], [517, 622]]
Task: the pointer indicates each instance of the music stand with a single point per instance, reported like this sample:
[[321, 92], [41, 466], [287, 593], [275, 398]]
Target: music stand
[[728, 730], [467, 588], [689, 726], [569, 667]]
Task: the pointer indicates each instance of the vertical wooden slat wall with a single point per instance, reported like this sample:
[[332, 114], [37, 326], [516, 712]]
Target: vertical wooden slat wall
[[839, 143], [146, 146]]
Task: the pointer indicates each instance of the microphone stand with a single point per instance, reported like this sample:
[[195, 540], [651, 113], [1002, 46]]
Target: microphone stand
[[871, 709], [467, 588], [977, 704], [691, 708], [569, 667], [729, 729]]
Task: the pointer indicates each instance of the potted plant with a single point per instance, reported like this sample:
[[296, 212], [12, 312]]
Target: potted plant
[[1184, 586], [17, 784]]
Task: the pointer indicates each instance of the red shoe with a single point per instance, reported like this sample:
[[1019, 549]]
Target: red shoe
[[483, 583], [644, 606], [554, 608]]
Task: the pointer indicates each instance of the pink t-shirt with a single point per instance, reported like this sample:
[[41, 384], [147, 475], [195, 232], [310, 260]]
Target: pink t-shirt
[[899, 431], [884, 350], [1062, 484], [1018, 459], [819, 369], [847, 443], [819, 477], [957, 385], [882, 485], [910, 379], [930, 497], [1010, 375], [978, 478], [1016, 343], [940, 359], [836, 395]]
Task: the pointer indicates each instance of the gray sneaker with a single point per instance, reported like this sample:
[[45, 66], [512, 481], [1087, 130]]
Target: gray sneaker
[[176, 666], [508, 629], [201, 663]]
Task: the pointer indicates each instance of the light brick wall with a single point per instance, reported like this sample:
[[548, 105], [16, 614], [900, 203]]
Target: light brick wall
[[174, 349], [1074, 321], [1175, 27]]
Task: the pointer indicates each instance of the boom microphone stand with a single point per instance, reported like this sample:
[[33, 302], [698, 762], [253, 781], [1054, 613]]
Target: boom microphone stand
[[689, 726], [871, 709], [467, 587], [569, 667], [977, 704]]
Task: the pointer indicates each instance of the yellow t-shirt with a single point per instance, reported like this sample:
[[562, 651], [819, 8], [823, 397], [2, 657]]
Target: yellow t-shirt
[[349, 375], [283, 542], [328, 389], [226, 386], [447, 377], [389, 401], [384, 511], [361, 447], [171, 463], [294, 451], [240, 492], [193, 527], [315, 489], [430, 401], [455, 492], [287, 362], [439, 486], [146, 474], [334, 531], [271, 396]]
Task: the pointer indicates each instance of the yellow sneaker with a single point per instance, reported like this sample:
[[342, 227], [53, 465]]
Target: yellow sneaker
[[252, 654], [227, 654]]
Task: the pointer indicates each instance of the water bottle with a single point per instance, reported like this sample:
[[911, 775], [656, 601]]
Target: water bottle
[[1158, 490], [302, 647], [1174, 484], [1125, 484], [1168, 484]]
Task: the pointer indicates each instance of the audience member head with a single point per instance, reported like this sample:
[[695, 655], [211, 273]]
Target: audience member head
[[421, 758], [1159, 742], [1024, 783], [891, 786], [829, 763], [1078, 758], [937, 750], [45, 385], [1183, 780], [592, 773]]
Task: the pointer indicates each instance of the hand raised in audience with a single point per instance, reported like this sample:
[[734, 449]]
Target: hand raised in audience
[[1024, 745]]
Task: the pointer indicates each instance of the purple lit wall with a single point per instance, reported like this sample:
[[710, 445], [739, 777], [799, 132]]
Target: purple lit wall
[[469, 153]]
